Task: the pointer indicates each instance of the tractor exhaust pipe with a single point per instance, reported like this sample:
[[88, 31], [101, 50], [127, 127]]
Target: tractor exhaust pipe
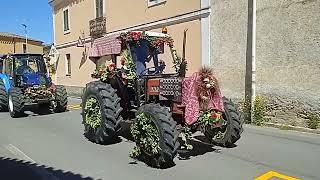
[[183, 65]]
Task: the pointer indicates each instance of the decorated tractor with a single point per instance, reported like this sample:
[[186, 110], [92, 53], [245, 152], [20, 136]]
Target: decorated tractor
[[161, 107], [24, 83]]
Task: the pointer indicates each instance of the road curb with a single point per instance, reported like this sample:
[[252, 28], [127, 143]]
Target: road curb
[[289, 127]]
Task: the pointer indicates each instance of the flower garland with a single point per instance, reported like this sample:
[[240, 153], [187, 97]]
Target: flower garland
[[38, 93], [134, 38], [128, 65], [211, 119], [145, 135], [104, 73]]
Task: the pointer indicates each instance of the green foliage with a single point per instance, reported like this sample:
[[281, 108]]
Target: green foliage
[[186, 136], [136, 151], [146, 135], [93, 114], [259, 111], [177, 60], [313, 121], [129, 65]]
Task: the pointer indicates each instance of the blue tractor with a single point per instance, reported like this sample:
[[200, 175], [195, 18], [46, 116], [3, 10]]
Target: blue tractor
[[24, 82]]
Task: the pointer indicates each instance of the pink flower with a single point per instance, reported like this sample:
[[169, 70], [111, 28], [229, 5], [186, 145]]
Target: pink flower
[[213, 115]]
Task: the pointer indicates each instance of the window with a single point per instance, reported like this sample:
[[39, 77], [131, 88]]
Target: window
[[24, 47], [155, 2], [66, 21], [99, 8], [68, 64]]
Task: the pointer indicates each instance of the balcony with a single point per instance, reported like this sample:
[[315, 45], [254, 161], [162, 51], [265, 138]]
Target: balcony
[[97, 27]]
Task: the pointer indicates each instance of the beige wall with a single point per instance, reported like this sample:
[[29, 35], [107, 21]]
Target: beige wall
[[31, 47], [6, 47], [124, 13], [79, 75], [81, 12], [10, 45]]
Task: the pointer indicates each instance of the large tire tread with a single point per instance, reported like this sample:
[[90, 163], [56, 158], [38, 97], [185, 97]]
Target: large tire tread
[[61, 99], [18, 102], [110, 112], [234, 126], [3, 97], [169, 143]]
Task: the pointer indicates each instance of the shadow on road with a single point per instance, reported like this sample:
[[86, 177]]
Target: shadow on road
[[200, 147], [14, 169]]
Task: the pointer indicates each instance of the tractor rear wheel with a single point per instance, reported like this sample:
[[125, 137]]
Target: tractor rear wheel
[[228, 134], [61, 101], [162, 119], [3, 97], [16, 102], [101, 112]]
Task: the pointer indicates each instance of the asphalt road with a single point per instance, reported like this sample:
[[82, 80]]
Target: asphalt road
[[53, 147]]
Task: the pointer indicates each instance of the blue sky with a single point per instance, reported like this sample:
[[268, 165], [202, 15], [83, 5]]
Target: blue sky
[[36, 14]]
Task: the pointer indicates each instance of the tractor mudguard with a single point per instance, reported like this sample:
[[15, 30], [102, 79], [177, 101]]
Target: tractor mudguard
[[6, 80]]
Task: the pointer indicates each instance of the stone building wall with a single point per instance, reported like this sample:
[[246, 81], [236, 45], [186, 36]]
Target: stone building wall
[[288, 52]]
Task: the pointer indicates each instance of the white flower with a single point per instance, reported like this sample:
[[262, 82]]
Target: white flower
[[204, 97], [125, 67], [208, 86], [206, 80]]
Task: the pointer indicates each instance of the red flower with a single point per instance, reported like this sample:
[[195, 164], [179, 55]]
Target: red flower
[[101, 71], [112, 65], [213, 115], [122, 62], [135, 35]]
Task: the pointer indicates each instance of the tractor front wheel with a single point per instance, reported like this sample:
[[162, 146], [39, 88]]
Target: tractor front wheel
[[164, 130], [101, 112], [3, 97], [16, 102], [228, 134], [61, 99]]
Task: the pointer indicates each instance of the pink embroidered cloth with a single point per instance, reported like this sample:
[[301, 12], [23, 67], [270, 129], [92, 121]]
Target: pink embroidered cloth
[[105, 46], [191, 101]]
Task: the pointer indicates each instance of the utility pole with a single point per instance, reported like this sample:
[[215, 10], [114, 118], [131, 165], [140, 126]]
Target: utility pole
[[25, 30], [250, 79]]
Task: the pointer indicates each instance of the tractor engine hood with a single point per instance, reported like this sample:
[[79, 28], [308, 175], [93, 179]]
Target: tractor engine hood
[[34, 79]]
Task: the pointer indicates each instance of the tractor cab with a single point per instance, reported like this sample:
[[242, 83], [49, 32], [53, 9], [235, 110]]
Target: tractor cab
[[26, 70]]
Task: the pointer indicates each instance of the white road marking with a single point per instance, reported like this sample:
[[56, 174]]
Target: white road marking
[[16, 151]]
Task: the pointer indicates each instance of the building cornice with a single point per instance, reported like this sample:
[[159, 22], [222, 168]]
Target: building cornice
[[54, 2], [198, 14]]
